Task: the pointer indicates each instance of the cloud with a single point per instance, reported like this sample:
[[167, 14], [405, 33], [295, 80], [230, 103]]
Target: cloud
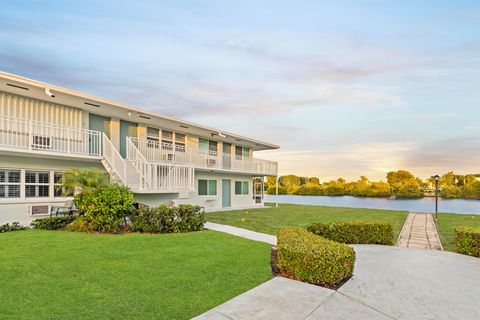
[[375, 159]]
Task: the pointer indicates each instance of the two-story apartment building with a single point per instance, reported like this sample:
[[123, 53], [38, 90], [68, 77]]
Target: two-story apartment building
[[46, 130]]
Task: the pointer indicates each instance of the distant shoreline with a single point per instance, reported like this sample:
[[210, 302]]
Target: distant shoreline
[[426, 204], [373, 197]]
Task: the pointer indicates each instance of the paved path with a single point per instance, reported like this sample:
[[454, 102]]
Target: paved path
[[388, 283], [419, 231], [252, 235]]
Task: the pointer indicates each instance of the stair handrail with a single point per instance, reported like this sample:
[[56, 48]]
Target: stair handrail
[[114, 158], [140, 163]]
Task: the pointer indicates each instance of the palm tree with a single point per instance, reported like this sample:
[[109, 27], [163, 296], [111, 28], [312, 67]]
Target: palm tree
[[78, 180]]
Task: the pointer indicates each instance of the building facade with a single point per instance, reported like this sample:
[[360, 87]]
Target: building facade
[[46, 130]]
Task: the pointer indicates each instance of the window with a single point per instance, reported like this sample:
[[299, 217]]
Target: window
[[57, 184], [180, 142], [9, 183], [207, 187], [212, 147], [246, 152], [241, 187], [37, 184], [203, 145], [58, 189], [208, 146], [167, 139], [153, 137], [241, 152]]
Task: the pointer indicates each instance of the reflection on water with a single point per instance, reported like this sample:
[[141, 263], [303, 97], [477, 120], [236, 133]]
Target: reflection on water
[[421, 205]]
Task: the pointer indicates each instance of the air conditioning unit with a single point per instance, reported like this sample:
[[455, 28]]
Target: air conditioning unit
[[39, 209], [211, 162]]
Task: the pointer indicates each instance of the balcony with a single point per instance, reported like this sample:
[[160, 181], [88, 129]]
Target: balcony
[[21, 135], [49, 139], [203, 159]]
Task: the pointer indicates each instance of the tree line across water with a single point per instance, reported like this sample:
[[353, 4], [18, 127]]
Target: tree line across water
[[399, 184]]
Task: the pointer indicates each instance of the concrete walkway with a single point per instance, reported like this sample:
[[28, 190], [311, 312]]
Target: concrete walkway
[[419, 231], [244, 233], [388, 283]]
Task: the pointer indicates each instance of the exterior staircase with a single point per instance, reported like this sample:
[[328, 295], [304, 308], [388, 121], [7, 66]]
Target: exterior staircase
[[143, 176]]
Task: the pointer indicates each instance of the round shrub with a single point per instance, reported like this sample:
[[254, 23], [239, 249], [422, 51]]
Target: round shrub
[[468, 240], [160, 219], [355, 232], [307, 257], [164, 219], [104, 208]]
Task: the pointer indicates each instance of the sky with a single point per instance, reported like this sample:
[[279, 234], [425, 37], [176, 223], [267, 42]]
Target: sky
[[346, 88]]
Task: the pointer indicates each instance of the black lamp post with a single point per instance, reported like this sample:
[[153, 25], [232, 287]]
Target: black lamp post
[[436, 177]]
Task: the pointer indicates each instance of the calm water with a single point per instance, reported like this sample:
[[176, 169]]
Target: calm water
[[420, 205]]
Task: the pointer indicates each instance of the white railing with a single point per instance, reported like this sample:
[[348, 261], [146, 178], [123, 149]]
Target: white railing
[[205, 159], [114, 159], [137, 172], [168, 176], [37, 136], [161, 152], [229, 162]]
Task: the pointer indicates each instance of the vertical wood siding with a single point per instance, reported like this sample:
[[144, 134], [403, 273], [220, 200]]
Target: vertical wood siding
[[31, 109]]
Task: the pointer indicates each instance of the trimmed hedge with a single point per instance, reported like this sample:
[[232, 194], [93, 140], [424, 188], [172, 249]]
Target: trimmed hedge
[[355, 232], [468, 240], [164, 219], [52, 223], [307, 257], [15, 226]]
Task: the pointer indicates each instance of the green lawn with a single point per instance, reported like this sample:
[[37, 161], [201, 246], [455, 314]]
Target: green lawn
[[270, 220], [447, 223], [69, 275]]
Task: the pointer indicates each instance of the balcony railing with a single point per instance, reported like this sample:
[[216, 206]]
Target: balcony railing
[[162, 152], [204, 159], [136, 172], [35, 136], [159, 176], [229, 162]]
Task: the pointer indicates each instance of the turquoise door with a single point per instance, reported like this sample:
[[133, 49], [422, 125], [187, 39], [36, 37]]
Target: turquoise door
[[227, 156], [127, 129], [226, 193], [101, 124]]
